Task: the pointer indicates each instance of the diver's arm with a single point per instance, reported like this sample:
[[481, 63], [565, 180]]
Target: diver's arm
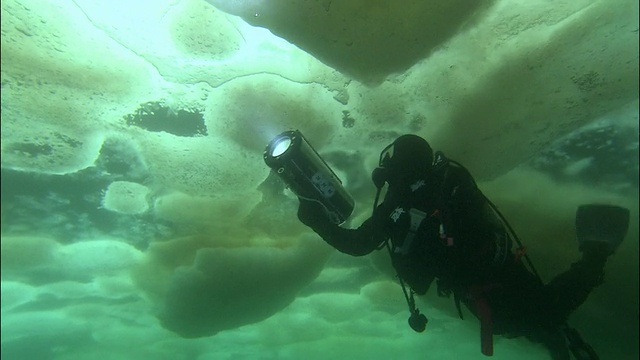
[[356, 242]]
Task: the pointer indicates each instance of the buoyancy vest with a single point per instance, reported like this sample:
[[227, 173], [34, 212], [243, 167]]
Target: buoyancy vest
[[441, 223], [443, 228]]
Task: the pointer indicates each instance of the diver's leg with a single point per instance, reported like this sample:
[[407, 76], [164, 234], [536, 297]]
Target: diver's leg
[[599, 231], [555, 343], [570, 289]]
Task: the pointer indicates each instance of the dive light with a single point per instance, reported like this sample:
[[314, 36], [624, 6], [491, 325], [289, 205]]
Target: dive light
[[302, 169]]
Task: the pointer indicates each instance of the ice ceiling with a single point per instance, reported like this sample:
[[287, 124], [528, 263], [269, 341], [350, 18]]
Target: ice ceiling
[[174, 101]]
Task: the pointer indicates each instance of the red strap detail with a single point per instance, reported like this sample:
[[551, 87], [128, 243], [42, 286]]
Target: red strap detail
[[484, 313]]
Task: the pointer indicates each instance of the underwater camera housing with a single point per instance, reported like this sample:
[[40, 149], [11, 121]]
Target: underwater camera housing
[[298, 164]]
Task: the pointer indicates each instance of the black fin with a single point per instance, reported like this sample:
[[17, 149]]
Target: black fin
[[602, 223]]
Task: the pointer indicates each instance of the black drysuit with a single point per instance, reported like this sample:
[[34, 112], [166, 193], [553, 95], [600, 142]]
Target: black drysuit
[[442, 228]]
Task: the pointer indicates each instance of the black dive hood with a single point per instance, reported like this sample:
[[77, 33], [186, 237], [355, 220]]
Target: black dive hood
[[298, 164]]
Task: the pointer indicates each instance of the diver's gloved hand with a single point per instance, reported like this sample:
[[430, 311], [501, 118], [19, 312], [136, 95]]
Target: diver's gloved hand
[[312, 214]]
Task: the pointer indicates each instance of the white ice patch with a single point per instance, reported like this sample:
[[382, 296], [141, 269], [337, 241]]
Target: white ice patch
[[98, 257], [15, 294], [578, 167], [104, 287], [40, 324], [126, 198]]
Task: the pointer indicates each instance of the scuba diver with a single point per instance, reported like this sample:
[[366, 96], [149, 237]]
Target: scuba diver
[[439, 227]]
